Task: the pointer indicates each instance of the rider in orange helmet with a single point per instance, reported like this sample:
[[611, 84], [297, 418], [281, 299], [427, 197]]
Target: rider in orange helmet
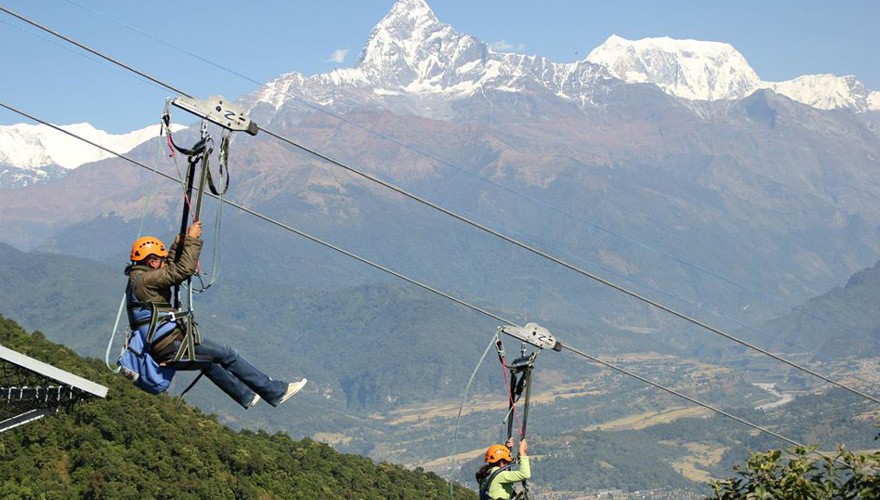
[[495, 477], [152, 275]]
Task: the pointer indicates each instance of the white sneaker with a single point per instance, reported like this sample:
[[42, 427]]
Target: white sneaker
[[292, 389], [254, 401]]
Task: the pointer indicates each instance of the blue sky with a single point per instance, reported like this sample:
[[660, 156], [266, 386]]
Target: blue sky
[[261, 40]]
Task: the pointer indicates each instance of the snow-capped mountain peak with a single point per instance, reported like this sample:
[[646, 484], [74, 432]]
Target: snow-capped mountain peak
[[828, 92], [414, 63], [412, 58], [411, 49], [399, 35], [38, 153], [35, 146], [710, 71], [691, 69]]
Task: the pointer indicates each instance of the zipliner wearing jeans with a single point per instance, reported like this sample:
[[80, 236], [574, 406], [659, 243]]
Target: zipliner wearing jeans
[[151, 277]]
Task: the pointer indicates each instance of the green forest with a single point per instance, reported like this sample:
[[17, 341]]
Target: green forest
[[135, 445]]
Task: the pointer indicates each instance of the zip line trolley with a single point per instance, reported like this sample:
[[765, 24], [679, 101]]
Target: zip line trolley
[[520, 371], [231, 118], [521, 368]]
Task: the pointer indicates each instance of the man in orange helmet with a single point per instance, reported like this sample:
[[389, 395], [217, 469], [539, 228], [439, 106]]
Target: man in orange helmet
[[151, 277], [495, 477]]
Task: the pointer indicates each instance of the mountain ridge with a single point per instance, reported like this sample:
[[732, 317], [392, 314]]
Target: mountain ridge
[[410, 53], [711, 71], [414, 63], [39, 153]]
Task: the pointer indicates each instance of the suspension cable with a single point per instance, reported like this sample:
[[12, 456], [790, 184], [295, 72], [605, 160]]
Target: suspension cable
[[477, 225], [93, 51], [438, 159], [569, 266], [684, 396], [417, 283]]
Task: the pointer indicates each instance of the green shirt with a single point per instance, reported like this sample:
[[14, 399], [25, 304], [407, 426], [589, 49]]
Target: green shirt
[[502, 485]]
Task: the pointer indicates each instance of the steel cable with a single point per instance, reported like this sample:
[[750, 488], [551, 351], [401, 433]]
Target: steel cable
[[417, 283]]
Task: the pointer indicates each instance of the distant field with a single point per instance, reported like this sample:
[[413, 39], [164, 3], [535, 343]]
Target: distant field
[[692, 466], [647, 419], [414, 414], [332, 438]]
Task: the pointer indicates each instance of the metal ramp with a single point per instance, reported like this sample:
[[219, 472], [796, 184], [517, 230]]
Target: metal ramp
[[31, 389]]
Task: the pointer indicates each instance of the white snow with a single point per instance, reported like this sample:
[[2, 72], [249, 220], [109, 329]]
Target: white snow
[[709, 71], [274, 92], [411, 53], [34, 146], [825, 91], [691, 69], [874, 100]]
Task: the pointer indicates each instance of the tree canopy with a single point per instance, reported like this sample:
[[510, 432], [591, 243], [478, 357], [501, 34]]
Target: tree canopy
[[803, 474], [134, 445]]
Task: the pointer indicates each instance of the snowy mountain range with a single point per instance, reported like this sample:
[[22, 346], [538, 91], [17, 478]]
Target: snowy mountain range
[[729, 202], [31, 146], [710, 71], [416, 64], [410, 53], [33, 153]]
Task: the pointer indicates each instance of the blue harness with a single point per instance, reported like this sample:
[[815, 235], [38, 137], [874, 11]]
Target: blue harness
[[148, 327]]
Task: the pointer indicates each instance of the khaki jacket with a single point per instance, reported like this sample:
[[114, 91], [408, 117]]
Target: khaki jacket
[[155, 285]]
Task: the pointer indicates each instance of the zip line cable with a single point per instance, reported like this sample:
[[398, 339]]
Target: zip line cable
[[567, 265], [321, 109], [417, 283], [92, 51], [475, 224], [370, 131], [268, 219], [66, 47]]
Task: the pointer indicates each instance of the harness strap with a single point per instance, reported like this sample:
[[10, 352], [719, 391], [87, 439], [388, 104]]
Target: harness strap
[[190, 386], [133, 306], [191, 338], [485, 485], [223, 155], [197, 148], [191, 335]]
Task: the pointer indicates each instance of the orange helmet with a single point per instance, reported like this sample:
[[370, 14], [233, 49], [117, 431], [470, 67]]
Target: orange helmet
[[498, 452], [147, 245]]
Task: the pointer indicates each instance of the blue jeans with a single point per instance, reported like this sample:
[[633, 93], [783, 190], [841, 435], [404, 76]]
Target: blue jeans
[[232, 373]]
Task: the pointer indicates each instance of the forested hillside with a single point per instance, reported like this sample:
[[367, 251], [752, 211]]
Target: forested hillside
[[133, 445]]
